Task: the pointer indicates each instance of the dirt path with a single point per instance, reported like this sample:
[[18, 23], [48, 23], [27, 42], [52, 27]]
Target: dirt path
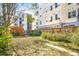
[[62, 49]]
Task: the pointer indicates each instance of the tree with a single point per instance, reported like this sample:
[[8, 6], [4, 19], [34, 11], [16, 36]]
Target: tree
[[8, 12], [30, 19], [35, 7]]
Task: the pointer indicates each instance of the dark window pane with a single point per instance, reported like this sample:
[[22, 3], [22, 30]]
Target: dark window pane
[[40, 15], [56, 5], [74, 14], [56, 16], [51, 8], [77, 3], [20, 22], [69, 14], [51, 18], [40, 8]]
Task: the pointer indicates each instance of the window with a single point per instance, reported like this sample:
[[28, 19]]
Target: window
[[40, 15], [56, 17], [20, 22], [40, 22], [51, 18], [46, 11], [51, 8], [77, 3], [69, 3], [40, 8], [78, 12], [56, 5], [21, 19], [72, 14], [36, 13], [69, 14]]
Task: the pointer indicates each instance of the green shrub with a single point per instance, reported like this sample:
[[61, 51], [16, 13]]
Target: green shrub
[[35, 33], [75, 39], [44, 35], [72, 38], [5, 39], [47, 35], [65, 37], [18, 34], [57, 37]]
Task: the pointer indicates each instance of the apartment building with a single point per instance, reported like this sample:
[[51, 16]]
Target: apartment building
[[22, 21], [58, 15]]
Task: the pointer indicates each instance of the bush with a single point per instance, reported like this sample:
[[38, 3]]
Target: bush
[[75, 39], [17, 31], [56, 36], [66, 37], [47, 35], [5, 39], [63, 37], [35, 33]]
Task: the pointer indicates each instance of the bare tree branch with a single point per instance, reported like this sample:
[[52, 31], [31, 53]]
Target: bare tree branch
[[9, 11]]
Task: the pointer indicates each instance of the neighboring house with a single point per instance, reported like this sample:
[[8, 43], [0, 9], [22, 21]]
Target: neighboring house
[[57, 15]]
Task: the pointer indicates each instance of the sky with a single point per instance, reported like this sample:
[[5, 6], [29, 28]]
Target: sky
[[24, 6]]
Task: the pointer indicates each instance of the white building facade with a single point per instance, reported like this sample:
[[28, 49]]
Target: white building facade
[[22, 20], [53, 15]]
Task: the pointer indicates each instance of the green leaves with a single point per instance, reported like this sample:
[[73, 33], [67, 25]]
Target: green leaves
[[5, 39], [29, 18]]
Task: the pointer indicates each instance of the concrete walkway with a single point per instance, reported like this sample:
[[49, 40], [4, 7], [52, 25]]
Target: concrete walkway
[[62, 49]]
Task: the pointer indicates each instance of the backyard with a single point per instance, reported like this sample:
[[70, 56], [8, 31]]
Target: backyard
[[18, 37], [35, 46]]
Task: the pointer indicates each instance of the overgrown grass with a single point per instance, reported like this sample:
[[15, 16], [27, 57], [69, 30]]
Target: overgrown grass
[[67, 40], [34, 46]]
